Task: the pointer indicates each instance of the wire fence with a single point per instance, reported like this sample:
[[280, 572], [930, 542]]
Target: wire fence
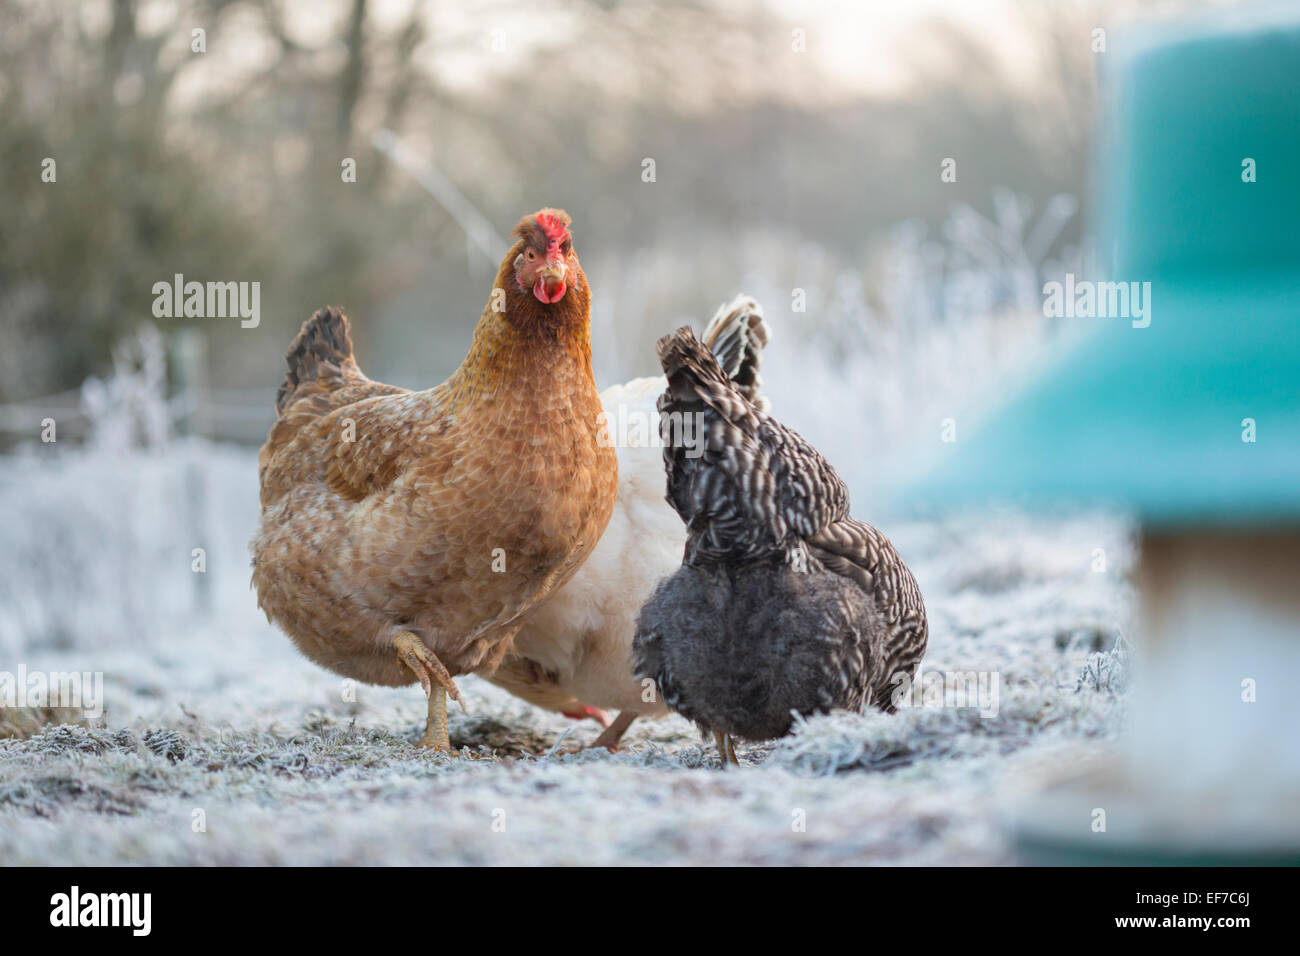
[[243, 422], [184, 403]]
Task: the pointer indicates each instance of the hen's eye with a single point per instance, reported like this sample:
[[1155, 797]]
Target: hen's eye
[[531, 255]]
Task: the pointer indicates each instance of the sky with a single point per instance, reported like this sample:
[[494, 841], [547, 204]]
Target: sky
[[853, 47], [858, 45]]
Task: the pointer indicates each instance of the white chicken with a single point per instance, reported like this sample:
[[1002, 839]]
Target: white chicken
[[574, 655]]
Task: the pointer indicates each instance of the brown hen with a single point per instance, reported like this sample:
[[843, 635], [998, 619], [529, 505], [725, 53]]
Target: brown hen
[[405, 535]]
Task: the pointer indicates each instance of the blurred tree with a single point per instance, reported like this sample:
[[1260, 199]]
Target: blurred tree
[[226, 164]]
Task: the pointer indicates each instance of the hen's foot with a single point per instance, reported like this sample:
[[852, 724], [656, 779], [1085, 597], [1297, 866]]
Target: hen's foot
[[611, 735], [609, 739], [594, 713], [437, 684], [726, 749]]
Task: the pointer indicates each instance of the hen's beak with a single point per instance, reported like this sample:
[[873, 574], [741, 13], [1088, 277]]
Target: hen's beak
[[550, 285]]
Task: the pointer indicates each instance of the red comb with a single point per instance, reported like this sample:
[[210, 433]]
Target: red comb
[[554, 229]]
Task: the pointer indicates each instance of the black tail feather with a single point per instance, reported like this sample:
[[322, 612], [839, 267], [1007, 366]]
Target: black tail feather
[[737, 335], [688, 364]]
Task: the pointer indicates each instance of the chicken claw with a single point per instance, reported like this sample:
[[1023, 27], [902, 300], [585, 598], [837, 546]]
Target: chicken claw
[[437, 684]]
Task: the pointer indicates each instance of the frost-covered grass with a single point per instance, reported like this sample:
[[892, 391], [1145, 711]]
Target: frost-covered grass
[[219, 744], [212, 718]]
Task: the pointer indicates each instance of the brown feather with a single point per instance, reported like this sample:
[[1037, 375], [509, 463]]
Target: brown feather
[[385, 508]]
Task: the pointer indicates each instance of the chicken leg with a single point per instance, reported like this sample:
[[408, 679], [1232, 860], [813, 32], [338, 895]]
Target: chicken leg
[[726, 749], [611, 735], [437, 684]]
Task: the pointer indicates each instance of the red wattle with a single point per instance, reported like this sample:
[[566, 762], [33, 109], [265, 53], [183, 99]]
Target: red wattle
[[539, 290]]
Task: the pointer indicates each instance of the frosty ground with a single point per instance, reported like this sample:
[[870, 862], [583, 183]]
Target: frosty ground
[[220, 745]]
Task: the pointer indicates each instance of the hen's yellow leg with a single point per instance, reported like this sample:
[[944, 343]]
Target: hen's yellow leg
[[437, 684], [726, 749]]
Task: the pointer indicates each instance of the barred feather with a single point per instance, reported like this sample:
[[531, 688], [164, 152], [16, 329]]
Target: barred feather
[[737, 335], [784, 602]]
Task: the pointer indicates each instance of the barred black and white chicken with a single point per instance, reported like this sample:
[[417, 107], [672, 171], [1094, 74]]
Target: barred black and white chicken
[[784, 604]]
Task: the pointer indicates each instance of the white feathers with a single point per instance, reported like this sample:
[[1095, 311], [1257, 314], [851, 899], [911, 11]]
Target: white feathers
[[583, 633]]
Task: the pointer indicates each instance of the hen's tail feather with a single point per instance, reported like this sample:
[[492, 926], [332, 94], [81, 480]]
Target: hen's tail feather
[[321, 349], [737, 335], [697, 385], [689, 366]]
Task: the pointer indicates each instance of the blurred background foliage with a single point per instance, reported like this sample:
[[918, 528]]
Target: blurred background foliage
[[772, 167]]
